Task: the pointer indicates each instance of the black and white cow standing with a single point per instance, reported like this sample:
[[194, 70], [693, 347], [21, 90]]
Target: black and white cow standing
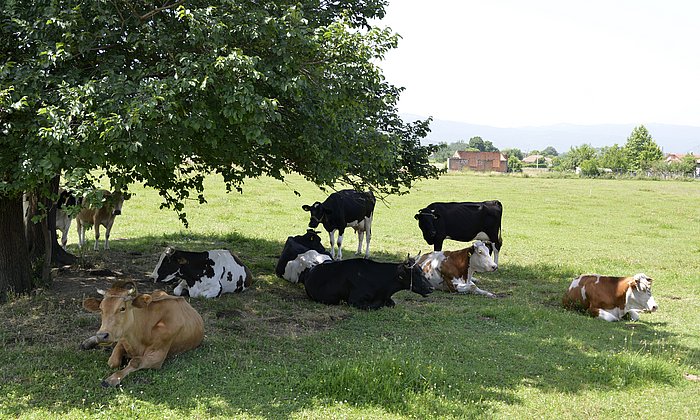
[[345, 208], [300, 253], [462, 222], [66, 201], [208, 274]]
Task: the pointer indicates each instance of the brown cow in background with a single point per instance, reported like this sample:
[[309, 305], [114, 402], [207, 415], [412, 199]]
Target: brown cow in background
[[111, 207]]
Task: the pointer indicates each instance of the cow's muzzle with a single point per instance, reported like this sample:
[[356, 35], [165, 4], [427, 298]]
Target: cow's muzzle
[[102, 336], [116, 212]]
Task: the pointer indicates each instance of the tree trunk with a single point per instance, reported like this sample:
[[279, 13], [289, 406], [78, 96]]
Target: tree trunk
[[41, 236], [15, 269]]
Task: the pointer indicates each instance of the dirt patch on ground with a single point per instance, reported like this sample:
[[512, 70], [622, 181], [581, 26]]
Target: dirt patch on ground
[[271, 307]]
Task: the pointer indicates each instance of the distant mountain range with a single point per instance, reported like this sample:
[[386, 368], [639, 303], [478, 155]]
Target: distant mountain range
[[671, 138]]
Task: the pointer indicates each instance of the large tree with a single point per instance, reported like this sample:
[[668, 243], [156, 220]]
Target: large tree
[[165, 92], [575, 157], [614, 158], [641, 150]]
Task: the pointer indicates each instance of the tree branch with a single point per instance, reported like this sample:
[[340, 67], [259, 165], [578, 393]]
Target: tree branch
[[160, 9]]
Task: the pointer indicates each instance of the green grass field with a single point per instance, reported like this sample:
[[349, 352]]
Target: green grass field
[[271, 353]]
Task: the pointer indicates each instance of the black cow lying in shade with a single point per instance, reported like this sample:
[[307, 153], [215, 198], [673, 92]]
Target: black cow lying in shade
[[300, 253], [364, 284]]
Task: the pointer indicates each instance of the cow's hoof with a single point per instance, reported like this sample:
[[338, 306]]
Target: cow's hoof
[[110, 382]]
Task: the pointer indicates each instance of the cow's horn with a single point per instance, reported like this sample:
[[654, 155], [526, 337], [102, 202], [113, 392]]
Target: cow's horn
[[101, 291], [130, 288], [169, 250]]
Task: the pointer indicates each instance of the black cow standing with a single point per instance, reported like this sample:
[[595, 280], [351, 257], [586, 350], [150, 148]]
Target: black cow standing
[[346, 208], [462, 222], [363, 283]]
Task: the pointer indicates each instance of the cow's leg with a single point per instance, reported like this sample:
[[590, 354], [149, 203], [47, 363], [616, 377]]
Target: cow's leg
[[634, 315], [64, 234], [115, 360], [603, 314], [368, 233], [108, 229], [340, 243], [470, 287], [180, 288], [152, 359], [437, 246], [81, 232], [96, 226], [495, 253], [331, 235], [360, 238]]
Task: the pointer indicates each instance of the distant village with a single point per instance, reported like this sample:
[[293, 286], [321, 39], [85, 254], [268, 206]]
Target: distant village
[[640, 156]]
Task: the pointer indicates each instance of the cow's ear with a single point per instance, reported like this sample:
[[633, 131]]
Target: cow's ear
[[142, 301], [92, 304], [417, 216]]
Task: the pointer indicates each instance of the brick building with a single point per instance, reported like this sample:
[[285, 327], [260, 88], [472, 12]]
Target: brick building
[[477, 161]]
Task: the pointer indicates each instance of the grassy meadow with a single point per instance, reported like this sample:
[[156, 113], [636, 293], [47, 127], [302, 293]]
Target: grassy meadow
[[271, 353]]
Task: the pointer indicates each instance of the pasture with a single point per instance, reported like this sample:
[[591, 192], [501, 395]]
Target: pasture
[[272, 353]]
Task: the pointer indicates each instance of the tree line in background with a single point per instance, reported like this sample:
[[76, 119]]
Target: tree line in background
[[639, 155]]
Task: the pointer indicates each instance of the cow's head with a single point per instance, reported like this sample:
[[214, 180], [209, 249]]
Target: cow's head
[[427, 222], [318, 213], [312, 237], [639, 294], [117, 201], [480, 259], [116, 309], [412, 277], [168, 266]]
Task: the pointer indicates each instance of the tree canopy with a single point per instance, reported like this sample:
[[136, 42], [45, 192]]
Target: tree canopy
[[163, 93], [641, 150]]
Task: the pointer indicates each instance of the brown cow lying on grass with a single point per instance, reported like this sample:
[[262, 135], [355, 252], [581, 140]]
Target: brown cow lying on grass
[[145, 328], [611, 298]]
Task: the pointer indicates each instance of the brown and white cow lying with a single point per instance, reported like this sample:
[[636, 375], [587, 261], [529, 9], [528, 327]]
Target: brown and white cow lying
[[145, 328], [453, 271], [611, 298], [111, 207]]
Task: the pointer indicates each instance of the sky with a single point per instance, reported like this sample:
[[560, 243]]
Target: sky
[[514, 63]]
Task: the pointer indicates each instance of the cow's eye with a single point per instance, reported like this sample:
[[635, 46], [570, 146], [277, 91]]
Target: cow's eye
[[122, 309]]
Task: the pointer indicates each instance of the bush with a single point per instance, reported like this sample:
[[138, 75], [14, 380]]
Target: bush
[[589, 167]]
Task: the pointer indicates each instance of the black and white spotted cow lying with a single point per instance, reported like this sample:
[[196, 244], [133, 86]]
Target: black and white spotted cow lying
[[208, 274], [300, 253]]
